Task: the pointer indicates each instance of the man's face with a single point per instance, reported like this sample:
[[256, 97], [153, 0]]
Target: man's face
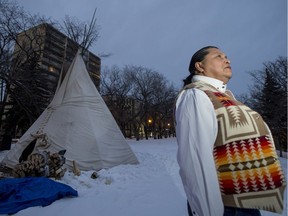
[[216, 65]]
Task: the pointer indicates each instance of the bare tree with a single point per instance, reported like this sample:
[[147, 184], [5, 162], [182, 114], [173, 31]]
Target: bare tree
[[82, 33], [20, 57], [153, 95], [19, 71], [135, 94], [115, 88], [162, 109]]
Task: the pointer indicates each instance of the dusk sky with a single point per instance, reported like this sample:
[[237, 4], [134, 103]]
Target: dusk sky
[[163, 34]]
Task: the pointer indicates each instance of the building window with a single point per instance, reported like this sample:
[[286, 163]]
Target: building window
[[51, 69]]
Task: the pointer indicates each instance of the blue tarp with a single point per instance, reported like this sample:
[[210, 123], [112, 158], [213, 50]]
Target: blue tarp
[[20, 193]]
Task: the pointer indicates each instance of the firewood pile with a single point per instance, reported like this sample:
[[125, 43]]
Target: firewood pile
[[41, 164]]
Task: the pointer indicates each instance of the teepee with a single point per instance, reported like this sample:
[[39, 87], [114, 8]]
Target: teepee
[[78, 121]]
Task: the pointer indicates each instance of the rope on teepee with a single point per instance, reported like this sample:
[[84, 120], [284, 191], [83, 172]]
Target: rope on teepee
[[42, 139]]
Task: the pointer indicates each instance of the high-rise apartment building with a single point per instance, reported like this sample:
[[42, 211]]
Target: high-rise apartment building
[[56, 51]]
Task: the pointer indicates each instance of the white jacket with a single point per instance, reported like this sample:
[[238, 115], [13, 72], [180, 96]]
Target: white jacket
[[196, 130]]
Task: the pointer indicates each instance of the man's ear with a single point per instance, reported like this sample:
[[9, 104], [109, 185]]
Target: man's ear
[[199, 67]]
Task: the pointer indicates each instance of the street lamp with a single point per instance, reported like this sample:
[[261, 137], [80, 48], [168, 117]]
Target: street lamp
[[149, 126], [169, 130]]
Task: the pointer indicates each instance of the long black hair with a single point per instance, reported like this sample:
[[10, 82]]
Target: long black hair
[[197, 57]]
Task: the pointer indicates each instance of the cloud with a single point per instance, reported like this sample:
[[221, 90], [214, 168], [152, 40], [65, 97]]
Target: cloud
[[163, 34]]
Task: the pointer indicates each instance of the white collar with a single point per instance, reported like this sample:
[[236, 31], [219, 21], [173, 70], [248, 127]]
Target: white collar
[[219, 85]]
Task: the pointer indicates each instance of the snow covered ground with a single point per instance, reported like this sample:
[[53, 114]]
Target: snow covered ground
[[152, 188]]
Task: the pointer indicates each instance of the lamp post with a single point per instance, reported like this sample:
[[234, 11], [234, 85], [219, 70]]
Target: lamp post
[[149, 126], [169, 130]]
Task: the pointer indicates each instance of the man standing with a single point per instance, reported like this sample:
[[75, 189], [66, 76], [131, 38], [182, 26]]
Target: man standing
[[226, 152]]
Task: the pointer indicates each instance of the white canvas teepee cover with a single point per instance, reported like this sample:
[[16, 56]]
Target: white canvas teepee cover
[[79, 121]]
